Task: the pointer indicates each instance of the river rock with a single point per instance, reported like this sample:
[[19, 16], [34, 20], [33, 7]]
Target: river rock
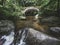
[[39, 38]]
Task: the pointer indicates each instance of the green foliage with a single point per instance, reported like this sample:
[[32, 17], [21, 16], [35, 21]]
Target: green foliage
[[15, 7]]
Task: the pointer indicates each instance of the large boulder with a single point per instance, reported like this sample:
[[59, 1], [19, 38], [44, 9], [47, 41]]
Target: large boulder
[[38, 38]]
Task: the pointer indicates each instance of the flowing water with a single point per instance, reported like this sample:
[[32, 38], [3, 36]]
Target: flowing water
[[23, 37], [8, 38]]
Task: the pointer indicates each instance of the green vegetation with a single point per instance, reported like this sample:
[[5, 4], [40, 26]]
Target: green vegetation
[[15, 7]]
